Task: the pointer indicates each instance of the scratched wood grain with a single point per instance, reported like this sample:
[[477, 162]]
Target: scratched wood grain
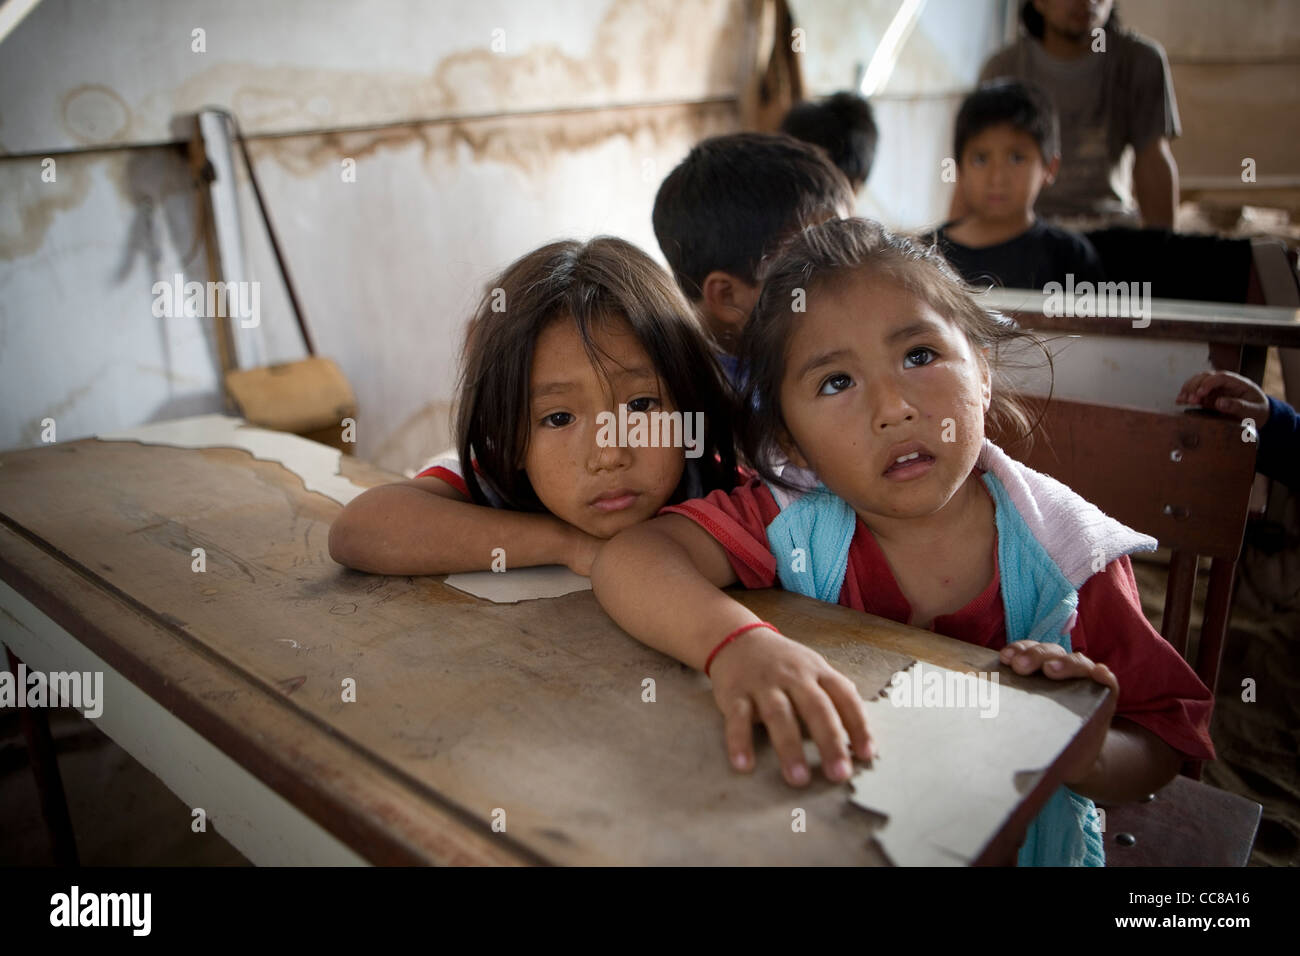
[[462, 706]]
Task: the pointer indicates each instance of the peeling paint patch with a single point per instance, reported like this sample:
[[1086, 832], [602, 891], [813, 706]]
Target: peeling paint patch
[[317, 465], [928, 822]]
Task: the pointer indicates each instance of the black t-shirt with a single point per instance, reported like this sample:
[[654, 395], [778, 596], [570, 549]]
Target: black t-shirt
[[1039, 255]]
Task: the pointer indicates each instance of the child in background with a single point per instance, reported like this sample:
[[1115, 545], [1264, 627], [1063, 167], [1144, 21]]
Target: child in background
[[585, 328], [843, 125], [876, 396], [729, 203], [1006, 144]]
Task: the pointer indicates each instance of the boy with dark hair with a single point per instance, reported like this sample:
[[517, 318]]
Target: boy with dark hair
[[1006, 143], [843, 125], [730, 202]]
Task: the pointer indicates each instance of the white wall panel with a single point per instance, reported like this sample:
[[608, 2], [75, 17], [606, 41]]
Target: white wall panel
[[92, 72], [386, 266], [78, 257]]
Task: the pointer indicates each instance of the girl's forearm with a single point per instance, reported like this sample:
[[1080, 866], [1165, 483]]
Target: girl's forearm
[[648, 583], [401, 529], [1133, 763]]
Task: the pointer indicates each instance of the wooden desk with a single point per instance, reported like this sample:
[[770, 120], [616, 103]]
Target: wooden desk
[[227, 684], [1237, 335]]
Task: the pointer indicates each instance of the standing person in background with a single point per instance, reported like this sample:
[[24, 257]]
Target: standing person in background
[[1112, 91], [843, 125]]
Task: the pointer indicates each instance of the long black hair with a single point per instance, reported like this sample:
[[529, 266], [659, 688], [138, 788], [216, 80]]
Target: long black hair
[[587, 283]]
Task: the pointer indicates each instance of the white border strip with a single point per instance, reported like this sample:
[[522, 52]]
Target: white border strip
[[257, 821]]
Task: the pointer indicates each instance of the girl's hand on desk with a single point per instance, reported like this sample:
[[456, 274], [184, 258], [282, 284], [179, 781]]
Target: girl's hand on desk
[[1025, 657], [766, 676]]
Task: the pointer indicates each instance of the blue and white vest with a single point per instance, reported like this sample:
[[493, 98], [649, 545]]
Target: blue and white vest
[[1049, 542]]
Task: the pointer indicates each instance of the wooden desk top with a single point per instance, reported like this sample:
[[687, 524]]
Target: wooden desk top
[[462, 706], [1214, 322]]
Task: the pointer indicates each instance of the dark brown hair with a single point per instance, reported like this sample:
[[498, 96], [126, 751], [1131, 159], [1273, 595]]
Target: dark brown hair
[[824, 254], [587, 283], [844, 125], [1025, 107], [735, 197]]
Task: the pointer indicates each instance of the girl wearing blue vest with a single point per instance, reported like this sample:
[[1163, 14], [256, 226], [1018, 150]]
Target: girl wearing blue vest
[[871, 376]]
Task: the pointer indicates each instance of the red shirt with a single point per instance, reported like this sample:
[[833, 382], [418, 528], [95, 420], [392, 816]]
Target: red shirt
[[450, 473], [1157, 688]]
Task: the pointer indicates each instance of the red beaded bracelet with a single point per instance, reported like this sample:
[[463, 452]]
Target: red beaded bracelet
[[731, 637]]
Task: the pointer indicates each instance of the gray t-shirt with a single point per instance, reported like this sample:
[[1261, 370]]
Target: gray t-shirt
[[1107, 103]]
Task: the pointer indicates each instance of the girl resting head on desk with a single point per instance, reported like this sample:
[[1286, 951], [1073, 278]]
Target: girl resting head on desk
[[872, 373], [589, 398]]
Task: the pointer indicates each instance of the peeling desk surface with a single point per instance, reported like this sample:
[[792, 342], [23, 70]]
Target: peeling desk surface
[[463, 707]]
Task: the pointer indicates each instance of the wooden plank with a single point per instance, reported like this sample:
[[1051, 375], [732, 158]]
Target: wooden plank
[[1211, 322], [462, 707], [333, 784], [258, 822]]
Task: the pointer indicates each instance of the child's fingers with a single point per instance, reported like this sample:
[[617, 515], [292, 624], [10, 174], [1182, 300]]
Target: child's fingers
[[823, 723], [1051, 659], [1203, 383], [739, 732], [1196, 388], [1063, 666], [1011, 650], [844, 694], [1187, 394], [1104, 675], [1229, 394], [777, 713], [1025, 657], [1236, 407]]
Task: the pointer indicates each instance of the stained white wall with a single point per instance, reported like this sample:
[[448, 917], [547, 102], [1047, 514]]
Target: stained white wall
[[97, 73], [466, 156]]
